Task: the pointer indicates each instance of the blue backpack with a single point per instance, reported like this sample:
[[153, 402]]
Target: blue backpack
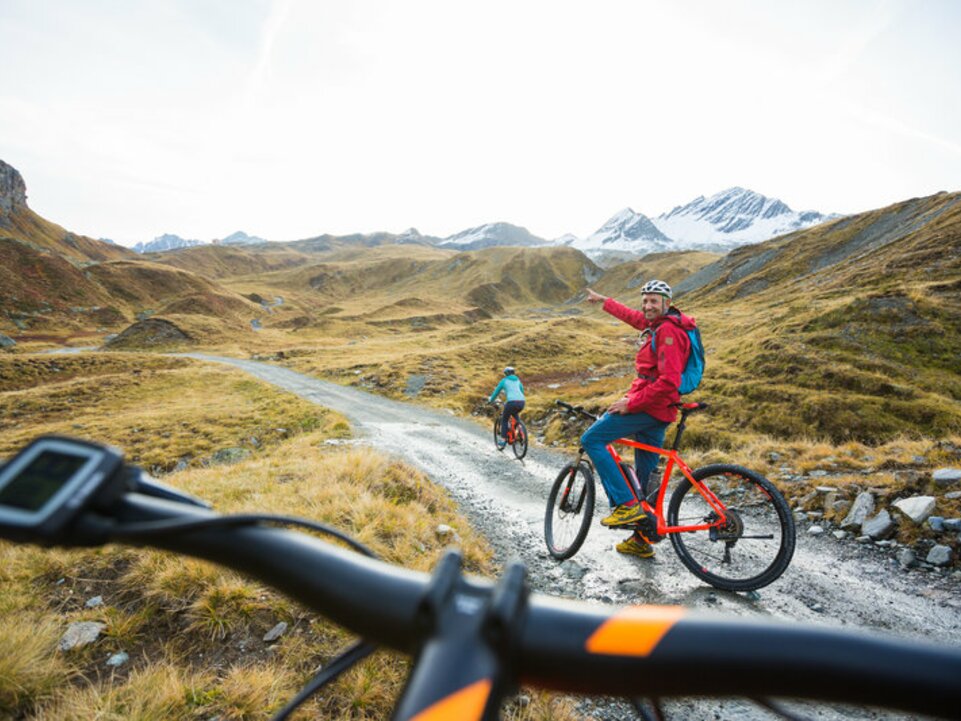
[[694, 368]]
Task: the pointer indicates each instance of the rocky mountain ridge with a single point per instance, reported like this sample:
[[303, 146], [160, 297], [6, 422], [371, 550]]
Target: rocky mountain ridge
[[13, 191], [171, 241]]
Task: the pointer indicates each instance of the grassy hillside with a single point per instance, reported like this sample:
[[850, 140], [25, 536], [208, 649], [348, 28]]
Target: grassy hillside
[[222, 261], [26, 226], [848, 330], [194, 632]]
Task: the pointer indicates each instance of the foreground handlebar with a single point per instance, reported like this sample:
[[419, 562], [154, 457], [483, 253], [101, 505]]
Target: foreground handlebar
[[468, 631]]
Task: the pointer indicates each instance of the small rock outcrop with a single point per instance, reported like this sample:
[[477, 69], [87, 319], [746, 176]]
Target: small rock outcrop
[[13, 191], [862, 508], [149, 333]]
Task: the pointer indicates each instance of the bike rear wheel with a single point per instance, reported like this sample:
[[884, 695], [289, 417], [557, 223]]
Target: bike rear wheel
[[570, 509], [755, 546], [520, 440]]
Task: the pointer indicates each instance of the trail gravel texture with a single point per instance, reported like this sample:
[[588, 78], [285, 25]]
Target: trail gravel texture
[[829, 583]]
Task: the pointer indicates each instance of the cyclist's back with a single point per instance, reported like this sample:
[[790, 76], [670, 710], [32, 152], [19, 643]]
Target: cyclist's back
[[512, 388]]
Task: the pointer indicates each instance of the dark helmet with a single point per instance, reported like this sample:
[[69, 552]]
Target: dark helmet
[[509, 371]]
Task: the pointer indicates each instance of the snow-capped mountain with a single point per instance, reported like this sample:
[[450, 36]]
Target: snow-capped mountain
[[167, 241], [626, 231], [733, 217], [241, 238], [490, 235]]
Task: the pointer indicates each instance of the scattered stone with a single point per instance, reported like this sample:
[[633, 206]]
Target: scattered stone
[[774, 456], [840, 535], [916, 508], [952, 524], [819, 473], [815, 531], [862, 507], [879, 527], [276, 632], [81, 633], [94, 602], [907, 558], [415, 384], [118, 659], [446, 533], [939, 555], [840, 506], [864, 539], [953, 495], [825, 489], [946, 476], [553, 386], [936, 523], [6, 341], [574, 570], [228, 456]]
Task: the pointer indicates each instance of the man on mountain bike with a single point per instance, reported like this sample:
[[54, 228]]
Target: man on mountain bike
[[513, 391], [646, 410]]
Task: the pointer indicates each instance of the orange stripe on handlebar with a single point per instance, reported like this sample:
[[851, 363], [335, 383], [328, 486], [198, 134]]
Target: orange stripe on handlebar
[[634, 631], [466, 704]]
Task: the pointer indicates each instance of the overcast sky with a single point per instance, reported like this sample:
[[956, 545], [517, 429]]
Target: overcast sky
[[293, 118]]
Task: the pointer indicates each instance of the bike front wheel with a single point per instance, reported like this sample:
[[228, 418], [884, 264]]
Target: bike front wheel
[[520, 440], [499, 441], [570, 509], [753, 548]]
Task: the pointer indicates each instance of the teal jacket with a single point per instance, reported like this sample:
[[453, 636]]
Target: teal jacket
[[512, 387]]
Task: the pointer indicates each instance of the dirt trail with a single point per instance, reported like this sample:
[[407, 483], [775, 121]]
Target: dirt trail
[[828, 582]]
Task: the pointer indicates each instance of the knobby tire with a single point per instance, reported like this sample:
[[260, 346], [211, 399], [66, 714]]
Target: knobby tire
[[520, 440], [756, 546], [570, 510]]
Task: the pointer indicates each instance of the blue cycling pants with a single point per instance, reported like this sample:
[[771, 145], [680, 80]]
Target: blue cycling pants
[[611, 426]]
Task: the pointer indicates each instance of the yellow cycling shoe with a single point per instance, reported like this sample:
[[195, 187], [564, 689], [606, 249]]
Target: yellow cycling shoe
[[623, 515], [633, 547]]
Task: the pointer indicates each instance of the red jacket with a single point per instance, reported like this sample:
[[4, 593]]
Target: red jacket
[[658, 377]]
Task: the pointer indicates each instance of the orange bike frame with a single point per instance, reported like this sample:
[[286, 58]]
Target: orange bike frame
[[673, 459], [511, 429]]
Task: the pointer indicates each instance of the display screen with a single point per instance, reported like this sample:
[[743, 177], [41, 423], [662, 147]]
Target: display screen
[[40, 480]]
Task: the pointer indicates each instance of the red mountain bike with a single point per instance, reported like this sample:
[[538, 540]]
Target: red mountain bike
[[730, 526], [516, 434]]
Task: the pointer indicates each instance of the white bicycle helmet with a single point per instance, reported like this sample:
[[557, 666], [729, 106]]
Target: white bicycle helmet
[[509, 371], [659, 287]]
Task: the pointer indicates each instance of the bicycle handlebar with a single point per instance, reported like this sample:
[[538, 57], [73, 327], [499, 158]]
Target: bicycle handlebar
[[474, 640], [477, 639]]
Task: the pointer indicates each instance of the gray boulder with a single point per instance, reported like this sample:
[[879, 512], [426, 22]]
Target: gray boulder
[[881, 526], [6, 341], [939, 555], [947, 476], [81, 633], [862, 507], [916, 508]]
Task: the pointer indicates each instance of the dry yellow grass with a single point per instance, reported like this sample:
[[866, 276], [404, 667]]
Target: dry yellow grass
[[194, 631], [161, 411]]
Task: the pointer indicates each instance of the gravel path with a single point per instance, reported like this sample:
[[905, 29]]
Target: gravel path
[[828, 582]]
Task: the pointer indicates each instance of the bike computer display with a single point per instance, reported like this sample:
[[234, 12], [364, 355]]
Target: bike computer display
[[50, 481]]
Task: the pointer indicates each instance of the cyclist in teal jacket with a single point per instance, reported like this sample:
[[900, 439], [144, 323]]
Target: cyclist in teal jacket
[[513, 391]]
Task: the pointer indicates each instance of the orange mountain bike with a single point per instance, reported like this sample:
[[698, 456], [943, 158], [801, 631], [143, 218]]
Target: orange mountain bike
[[730, 526], [516, 434]]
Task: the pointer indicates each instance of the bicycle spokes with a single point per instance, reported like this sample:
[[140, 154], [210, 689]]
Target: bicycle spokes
[[748, 546]]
